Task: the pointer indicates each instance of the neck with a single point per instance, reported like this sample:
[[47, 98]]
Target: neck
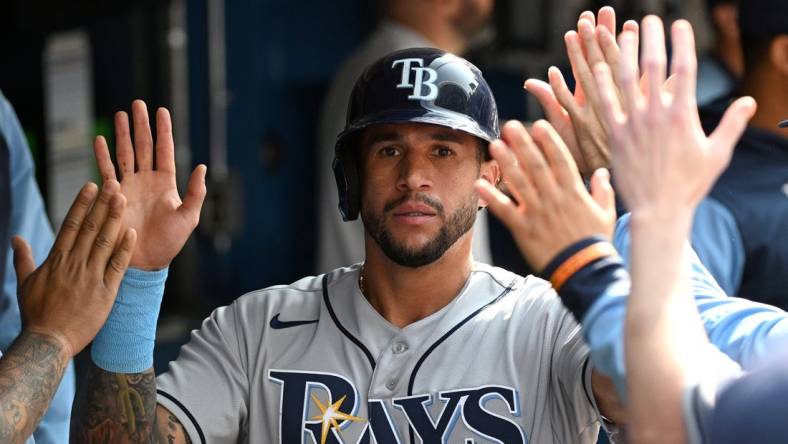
[[772, 100], [437, 31], [404, 295]]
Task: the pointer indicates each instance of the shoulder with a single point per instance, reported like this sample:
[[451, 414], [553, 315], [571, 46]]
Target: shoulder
[[527, 295]]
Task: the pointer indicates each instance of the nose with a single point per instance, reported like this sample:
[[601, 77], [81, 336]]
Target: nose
[[415, 173]]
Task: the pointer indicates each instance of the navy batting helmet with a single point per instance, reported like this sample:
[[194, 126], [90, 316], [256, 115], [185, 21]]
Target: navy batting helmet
[[424, 85]]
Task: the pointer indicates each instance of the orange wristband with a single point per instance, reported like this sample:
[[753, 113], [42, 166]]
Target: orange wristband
[[580, 260]]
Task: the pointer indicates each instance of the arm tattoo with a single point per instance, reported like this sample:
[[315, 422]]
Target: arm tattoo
[[30, 374], [122, 408]]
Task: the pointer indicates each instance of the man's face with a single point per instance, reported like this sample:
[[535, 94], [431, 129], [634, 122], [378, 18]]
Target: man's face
[[473, 16], [417, 195]]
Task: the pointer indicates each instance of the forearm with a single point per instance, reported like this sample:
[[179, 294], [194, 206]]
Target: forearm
[[664, 335], [115, 407], [30, 374]]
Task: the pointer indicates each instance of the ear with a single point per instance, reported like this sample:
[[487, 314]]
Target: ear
[[778, 54], [491, 172]]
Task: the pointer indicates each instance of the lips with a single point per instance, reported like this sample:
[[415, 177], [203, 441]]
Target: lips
[[414, 210], [413, 213]]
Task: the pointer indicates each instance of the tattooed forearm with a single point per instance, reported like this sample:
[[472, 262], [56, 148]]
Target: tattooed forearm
[[121, 408], [29, 376]]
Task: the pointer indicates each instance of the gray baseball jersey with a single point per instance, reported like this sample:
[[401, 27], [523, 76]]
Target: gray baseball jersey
[[313, 362]]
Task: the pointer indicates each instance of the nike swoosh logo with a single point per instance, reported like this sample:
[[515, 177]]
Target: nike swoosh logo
[[276, 324]]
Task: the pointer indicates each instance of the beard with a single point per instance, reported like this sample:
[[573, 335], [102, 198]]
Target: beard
[[454, 226]]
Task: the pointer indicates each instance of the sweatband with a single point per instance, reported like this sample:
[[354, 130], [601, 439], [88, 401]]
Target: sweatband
[[125, 343]]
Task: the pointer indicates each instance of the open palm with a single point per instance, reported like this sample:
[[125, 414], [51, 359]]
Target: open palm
[[154, 208]]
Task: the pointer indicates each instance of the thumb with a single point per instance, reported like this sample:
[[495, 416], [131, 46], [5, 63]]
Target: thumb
[[195, 192], [601, 190], [545, 96], [23, 259], [732, 125]]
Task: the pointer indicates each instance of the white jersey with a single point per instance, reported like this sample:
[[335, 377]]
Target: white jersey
[[313, 362]]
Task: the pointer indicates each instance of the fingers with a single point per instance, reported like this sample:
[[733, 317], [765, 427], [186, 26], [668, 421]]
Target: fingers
[[516, 180], [165, 145], [530, 159], [119, 262], [95, 220], [24, 264], [195, 195], [628, 71], [589, 38], [545, 96], [562, 92], [633, 27], [607, 19], [557, 154], [611, 108], [500, 204], [607, 42], [588, 15], [654, 58], [103, 159], [108, 234], [72, 223], [732, 125], [124, 150], [602, 191], [684, 65], [143, 140], [580, 66]]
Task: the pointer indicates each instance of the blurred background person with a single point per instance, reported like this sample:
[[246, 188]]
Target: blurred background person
[[443, 24], [740, 229], [721, 68]]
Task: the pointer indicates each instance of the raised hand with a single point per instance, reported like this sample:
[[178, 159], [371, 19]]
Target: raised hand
[[664, 162], [70, 295], [552, 208], [577, 116], [163, 222]]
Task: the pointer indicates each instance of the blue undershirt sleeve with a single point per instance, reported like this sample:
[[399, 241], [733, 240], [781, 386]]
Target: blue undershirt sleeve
[[746, 331], [717, 241]]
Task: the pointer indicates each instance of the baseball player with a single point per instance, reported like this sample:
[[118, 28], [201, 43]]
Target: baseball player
[[416, 344]]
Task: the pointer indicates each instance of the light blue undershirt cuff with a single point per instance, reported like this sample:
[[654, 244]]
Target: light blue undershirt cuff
[[125, 343]]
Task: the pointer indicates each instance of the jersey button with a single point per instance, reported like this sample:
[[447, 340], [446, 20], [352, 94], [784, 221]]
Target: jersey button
[[392, 384], [400, 347]]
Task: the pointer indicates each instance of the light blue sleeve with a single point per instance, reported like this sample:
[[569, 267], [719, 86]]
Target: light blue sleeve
[[717, 240], [746, 331], [28, 219]]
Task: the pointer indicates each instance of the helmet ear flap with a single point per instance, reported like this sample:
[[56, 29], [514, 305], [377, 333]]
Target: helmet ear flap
[[346, 175]]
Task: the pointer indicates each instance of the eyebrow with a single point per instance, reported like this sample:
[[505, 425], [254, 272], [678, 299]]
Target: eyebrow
[[447, 136], [387, 136]]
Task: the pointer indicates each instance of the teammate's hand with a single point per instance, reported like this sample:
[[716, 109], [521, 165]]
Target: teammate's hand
[[553, 209], [664, 162], [70, 295], [163, 222], [577, 116]]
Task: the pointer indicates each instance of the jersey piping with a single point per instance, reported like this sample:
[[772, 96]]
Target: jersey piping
[[446, 336], [341, 328]]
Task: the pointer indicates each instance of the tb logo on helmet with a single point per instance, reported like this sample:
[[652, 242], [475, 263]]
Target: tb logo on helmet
[[419, 81]]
